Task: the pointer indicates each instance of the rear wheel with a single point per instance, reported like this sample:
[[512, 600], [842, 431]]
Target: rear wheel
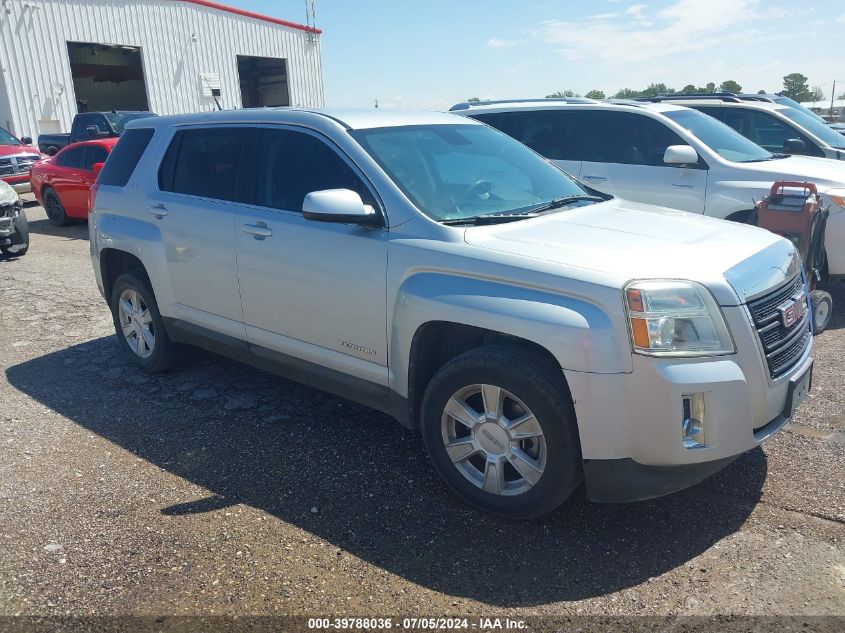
[[55, 209], [139, 325], [822, 304], [501, 432]]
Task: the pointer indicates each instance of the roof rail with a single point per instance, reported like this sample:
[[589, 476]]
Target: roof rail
[[680, 96], [466, 105], [629, 102]]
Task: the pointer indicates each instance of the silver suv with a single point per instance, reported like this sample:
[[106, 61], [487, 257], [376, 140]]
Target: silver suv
[[537, 332]]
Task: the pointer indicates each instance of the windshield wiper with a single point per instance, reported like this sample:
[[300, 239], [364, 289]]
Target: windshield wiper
[[520, 214], [761, 160]]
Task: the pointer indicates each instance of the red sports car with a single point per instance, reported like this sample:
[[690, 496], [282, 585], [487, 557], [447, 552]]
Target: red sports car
[[61, 183]]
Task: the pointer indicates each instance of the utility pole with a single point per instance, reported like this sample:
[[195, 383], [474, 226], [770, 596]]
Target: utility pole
[[832, 97]]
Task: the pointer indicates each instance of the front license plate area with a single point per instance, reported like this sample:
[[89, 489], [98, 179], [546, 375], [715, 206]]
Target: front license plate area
[[799, 387]]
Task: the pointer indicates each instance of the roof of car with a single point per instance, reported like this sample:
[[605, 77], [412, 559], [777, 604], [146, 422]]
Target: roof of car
[[715, 100], [350, 119], [556, 104], [109, 142]]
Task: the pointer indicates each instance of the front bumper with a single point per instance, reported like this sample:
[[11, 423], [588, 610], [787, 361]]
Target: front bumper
[[631, 430]]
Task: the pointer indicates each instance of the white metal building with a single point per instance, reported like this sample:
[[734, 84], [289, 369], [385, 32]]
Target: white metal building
[[60, 57]]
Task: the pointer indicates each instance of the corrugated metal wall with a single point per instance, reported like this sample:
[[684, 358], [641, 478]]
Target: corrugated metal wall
[[36, 69]]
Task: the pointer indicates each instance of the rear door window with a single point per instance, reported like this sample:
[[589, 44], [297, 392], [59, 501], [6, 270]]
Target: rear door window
[[125, 156], [555, 134], [205, 162]]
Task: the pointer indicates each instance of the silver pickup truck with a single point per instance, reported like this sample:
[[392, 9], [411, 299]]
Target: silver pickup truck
[[537, 332]]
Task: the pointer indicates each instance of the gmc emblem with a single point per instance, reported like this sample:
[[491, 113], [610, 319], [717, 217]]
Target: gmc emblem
[[792, 310]]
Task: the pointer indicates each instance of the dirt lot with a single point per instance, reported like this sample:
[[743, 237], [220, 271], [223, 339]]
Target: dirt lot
[[221, 489]]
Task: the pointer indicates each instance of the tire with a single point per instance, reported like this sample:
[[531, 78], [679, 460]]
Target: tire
[[528, 384], [20, 239], [822, 305], [157, 355], [55, 209]]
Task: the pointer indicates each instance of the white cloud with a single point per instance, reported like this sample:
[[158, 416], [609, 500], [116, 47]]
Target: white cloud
[[841, 19], [685, 25], [495, 42]]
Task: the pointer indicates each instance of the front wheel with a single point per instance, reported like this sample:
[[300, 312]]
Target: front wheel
[[822, 304], [501, 431], [20, 239]]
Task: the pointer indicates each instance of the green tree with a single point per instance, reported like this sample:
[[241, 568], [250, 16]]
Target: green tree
[[795, 87], [711, 87], [817, 93], [595, 94], [560, 94], [657, 89], [730, 86], [690, 89], [473, 100], [627, 93], [761, 92]]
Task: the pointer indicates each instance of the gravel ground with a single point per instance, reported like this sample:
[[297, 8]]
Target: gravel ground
[[219, 489]]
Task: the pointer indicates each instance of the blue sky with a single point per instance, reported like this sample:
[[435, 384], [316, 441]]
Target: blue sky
[[432, 54]]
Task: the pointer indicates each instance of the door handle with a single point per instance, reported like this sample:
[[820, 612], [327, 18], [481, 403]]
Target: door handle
[[595, 178], [257, 231], [158, 210]]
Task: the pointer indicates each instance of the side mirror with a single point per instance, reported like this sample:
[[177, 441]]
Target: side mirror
[[97, 168], [794, 146], [680, 155], [93, 131], [26, 140], [338, 205]]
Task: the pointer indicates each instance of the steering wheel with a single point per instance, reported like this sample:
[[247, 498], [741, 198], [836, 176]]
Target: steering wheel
[[478, 188]]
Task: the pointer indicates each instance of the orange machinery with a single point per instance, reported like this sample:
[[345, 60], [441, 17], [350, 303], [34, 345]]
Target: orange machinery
[[794, 210]]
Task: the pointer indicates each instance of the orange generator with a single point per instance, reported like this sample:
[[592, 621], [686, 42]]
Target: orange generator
[[793, 210]]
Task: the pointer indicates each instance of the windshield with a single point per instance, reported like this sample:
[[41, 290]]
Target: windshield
[[119, 120], [458, 171], [8, 139], [724, 140], [821, 131], [794, 104]]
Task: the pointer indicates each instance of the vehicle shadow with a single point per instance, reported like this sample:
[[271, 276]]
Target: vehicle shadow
[[253, 438], [78, 230]]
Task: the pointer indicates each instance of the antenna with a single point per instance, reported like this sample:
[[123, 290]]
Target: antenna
[[311, 19]]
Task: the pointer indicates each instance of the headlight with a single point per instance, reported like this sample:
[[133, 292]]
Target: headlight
[[675, 318]]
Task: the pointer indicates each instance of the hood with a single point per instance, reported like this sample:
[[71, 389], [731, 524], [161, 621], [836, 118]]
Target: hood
[[825, 172], [16, 150], [629, 240]]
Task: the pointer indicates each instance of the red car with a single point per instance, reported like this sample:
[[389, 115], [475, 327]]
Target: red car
[[62, 183], [16, 156]]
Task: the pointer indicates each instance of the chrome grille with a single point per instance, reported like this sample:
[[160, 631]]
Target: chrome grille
[[782, 345], [17, 165]]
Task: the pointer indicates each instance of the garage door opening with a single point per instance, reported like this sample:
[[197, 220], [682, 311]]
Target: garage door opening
[[107, 77], [264, 82]]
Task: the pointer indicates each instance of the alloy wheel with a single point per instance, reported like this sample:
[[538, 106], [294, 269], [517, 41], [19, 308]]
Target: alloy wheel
[[136, 323], [493, 439]]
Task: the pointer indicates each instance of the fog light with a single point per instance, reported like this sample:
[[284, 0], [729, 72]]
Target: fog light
[[692, 423]]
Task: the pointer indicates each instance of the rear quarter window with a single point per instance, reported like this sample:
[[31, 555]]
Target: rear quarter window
[[124, 157]]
